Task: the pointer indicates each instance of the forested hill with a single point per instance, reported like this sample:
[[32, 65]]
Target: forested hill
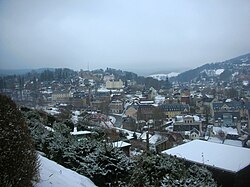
[[221, 70], [6, 72]]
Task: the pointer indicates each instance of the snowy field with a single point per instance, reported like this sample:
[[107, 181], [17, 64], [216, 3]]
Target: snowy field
[[55, 175]]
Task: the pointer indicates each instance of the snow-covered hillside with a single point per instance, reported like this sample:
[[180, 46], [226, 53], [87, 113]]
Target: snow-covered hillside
[[164, 76], [213, 72], [221, 71], [173, 74], [55, 175]]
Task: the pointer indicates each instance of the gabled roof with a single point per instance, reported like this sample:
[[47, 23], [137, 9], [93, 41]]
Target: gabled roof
[[195, 130]]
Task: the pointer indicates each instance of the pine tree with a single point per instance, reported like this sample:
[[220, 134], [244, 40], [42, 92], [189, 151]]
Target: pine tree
[[107, 166]]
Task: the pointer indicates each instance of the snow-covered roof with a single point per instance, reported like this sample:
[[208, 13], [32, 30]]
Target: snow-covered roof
[[63, 104], [179, 118], [213, 139], [80, 132], [225, 157], [143, 136], [159, 99], [75, 132], [46, 92], [102, 89], [228, 100], [120, 144], [209, 96], [153, 139], [146, 102], [55, 175], [52, 110], [227, 130], [237, 143], [196, 118]]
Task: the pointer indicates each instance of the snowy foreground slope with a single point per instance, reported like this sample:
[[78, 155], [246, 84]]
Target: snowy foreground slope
[[55, 175]]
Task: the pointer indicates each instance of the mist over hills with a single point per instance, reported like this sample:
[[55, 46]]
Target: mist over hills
[[223, 69], [5, 72]]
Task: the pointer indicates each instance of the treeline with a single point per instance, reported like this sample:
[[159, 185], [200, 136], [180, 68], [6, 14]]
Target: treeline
[[18, 81], [146, 82], [64, 75], [57, 74]]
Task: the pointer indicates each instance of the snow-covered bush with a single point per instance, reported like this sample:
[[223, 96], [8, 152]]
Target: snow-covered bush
[[59, 142], [194, 176], [167, 171], [107, 166], [18, 159]]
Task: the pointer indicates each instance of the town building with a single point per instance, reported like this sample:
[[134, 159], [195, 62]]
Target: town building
[[174, 109], [187, 123], [114, 84], [61, 96], [116, 106], [227, 113]]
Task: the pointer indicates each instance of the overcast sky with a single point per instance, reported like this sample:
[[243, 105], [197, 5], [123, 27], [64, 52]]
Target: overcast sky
[[135, 35]]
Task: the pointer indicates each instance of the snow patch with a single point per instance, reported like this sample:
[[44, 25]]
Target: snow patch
[[245, 82], [219, 71], [173, 74], [55, 175], [163, 77], [53, 111], [244, 59]]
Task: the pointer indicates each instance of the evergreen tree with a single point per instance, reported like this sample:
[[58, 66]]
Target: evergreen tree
[[18, 159], [107, 167], [163, 170], [194, 176]]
